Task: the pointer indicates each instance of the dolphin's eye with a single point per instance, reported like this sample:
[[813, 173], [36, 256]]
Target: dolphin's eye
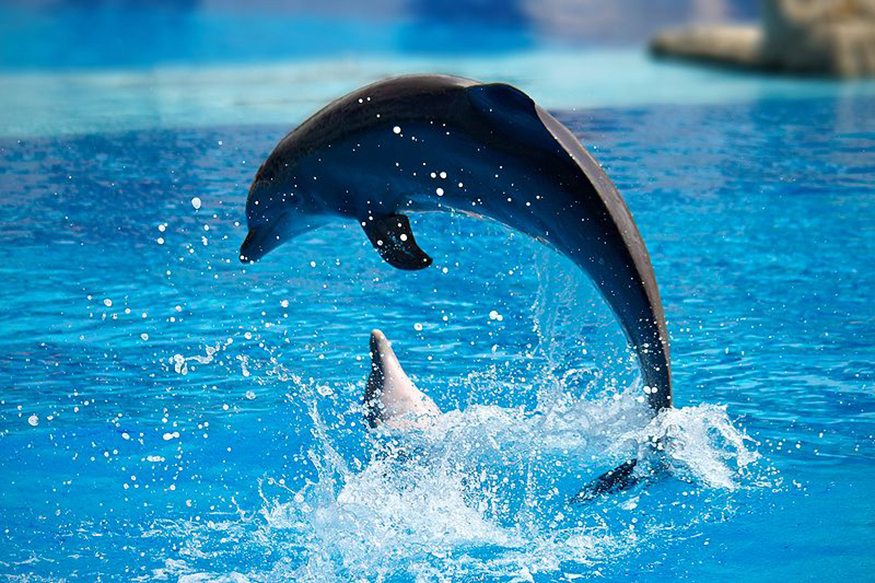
[[292, 199]]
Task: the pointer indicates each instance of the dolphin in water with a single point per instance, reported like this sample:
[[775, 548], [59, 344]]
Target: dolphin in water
[[433, 142], [391, 398]]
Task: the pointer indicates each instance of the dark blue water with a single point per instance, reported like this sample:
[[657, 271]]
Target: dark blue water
[[166, 413]]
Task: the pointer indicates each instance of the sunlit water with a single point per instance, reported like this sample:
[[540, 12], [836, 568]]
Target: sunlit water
[[167, 413]]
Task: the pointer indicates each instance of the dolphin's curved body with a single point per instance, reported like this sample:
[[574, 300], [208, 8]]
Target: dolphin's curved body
[[434, 142]]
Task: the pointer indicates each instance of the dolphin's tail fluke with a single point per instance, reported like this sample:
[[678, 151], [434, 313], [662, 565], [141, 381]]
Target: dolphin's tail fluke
[[628, 475], [620, 478], [390, 395]]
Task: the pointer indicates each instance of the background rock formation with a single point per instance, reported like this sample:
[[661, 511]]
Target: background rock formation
[[831, 37]]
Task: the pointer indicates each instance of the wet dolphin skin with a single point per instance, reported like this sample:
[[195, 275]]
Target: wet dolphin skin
[[432, 142]]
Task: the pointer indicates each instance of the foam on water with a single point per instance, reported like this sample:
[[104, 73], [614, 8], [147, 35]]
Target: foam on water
[[482, 492]]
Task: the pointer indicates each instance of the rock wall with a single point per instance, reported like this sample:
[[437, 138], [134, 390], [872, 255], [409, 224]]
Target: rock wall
[[832, 37]]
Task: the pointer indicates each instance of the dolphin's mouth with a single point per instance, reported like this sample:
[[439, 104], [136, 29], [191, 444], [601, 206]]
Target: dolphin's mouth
[[264, 238], [248, 250], [259, 242]]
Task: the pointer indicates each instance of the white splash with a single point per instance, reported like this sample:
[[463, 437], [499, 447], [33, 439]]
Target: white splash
[[484, 492], [180, 362]]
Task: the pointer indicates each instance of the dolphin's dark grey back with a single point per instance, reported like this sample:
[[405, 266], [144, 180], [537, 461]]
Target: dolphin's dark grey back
[[549, 147], [656, 360], [404, 99]]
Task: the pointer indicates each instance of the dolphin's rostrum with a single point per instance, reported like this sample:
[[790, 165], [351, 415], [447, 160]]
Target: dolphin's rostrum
[[434, 142], [390, 395]]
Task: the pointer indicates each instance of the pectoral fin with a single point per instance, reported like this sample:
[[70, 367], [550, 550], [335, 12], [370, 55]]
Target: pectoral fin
[[392, 238]]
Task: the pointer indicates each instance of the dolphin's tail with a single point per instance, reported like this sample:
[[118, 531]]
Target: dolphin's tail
[[390, 395], [627, 475], [620, 478]]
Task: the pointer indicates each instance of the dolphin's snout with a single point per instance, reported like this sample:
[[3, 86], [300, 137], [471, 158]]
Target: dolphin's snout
[[377, 338], [380, 348], [390, 395], [259, 242], [264, 237], [248, 247]]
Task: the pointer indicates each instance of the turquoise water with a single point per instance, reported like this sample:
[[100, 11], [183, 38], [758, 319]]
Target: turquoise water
[[249, 456], [168, 414]]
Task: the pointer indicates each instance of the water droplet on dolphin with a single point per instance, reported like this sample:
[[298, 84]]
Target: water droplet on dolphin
[[397, 130]]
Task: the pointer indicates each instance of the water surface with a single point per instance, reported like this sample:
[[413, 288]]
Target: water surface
[[170, 414]]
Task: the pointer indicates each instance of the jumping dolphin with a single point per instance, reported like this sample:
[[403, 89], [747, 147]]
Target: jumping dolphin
[[432, 142]]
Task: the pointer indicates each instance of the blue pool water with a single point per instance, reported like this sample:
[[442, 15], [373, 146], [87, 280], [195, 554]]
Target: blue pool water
[[167, 413], [138, 33]]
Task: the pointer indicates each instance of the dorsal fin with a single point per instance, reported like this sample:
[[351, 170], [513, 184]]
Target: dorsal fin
[[494, 97], [512, 113]]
